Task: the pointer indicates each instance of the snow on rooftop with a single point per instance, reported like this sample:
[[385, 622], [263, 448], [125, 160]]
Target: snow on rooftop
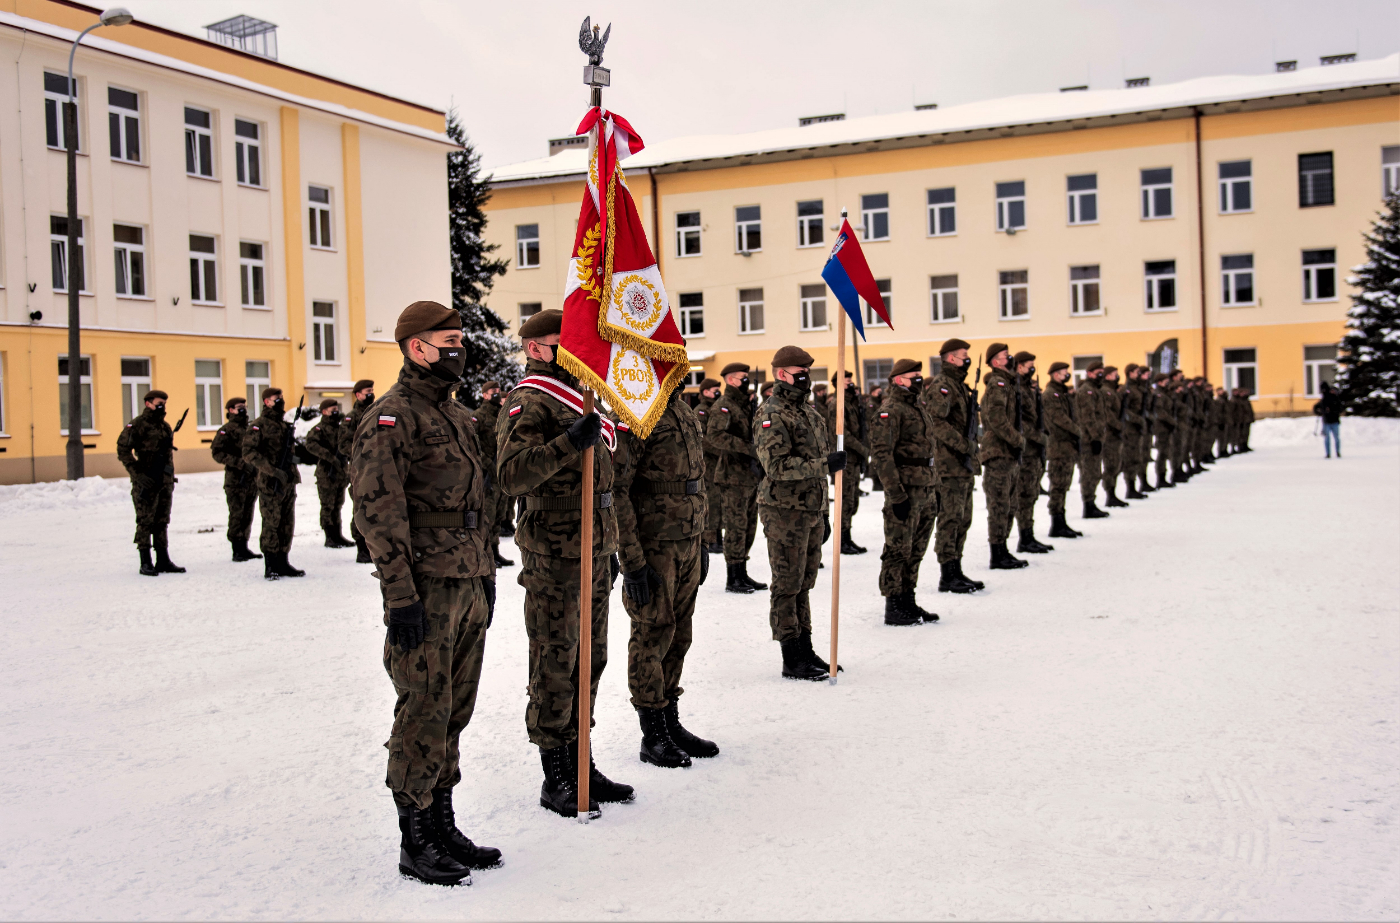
[[1030, 108]]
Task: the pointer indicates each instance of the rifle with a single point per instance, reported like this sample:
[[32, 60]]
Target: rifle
[[973, 418], [163, 462], [1019, 452], [288, 460], [1040, 420]]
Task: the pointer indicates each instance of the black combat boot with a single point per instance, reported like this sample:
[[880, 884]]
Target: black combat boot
[[715, 547], [335, 540], [458, 845], [1113, 498], [951, 582], [912, 605], [362, 551], [163, 563], [559, 792], [501, 560], [284, 567], [1092, 511], [735, 582], [1132, 492], [270, 565], [744, 576], [957, 568], [1144, 487], [696, 747], [147, 568], [507, 530], [241, 551], [422, 854], [796, 664], [1059, 528], [1028, 545], [897, 613], [657, 746], [1003, 559], [807, 649], [600, 788], [850, 547]]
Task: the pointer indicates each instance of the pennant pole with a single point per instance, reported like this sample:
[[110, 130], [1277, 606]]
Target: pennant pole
[[840, 481]]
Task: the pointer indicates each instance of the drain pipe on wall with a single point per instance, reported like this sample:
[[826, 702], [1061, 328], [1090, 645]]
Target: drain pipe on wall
[[1201, 246]]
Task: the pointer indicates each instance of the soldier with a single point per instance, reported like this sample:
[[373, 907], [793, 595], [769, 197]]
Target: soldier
[[1111, 400], [146, 449], [857, 454], [796, 458], [709, 393], [240, 492], [951, 408], [1246, 418], [1089, 412], [540, 437], [1181, 435], [1001, 450], [1063, 450], [267, 447], [419, 491], [873, 400], [1033, 458], [332, 471], [729, 434], [1220, 411], [765, 391], [659, 495], [496, 508], [903, 450], [1130, 403], [363, 394], [1145, 399]]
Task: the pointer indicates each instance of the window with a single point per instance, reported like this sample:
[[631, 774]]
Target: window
[[1390, 170], [809, 223], [1315, 180], [814, 307], [252, 274], [943, 299], [750, 310], [527, 246], [58, 252], [319, 216], [124, 124], [1241, 370], [935, 367], [85, 392], [1084, 290], [1161, 285], [529, 309], [199, 142], [1319, 367], [694, 377], [875, 216], [1319, 275], [871, 318], [1083, 198], [1011, 206], [877, 373], [1015, 298], [257, 374], [130, 252], [1081, 367], [136, 381], [204, 270], [687, 235], [1237, 279], [323, 331], [692, 314], [247, 152], [1157, 193], [55, 95], [1235, 187], [942, 212], [748, 229], [208, 393]]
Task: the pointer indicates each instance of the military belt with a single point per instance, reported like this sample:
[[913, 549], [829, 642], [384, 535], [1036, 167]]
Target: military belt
[[913, 462], [447, 519], [644, 486], [600, 502]]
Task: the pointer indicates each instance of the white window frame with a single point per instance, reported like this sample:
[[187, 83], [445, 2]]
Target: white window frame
[[253, 384], [204, 266], [252, 275], [1232, 370], [1149, 194], [746, 307], [538, 306], [871, 318], [687, 235], [524, 252], [1390, 170], [1005, 203], [125, 256], [1230, 187], [208, 397], [127, 125], [320, 218], [870, 217], [688, 314], [1310, 277], [1312, 370], [1085, 289], [745, 229], [939, 296], [1078, 198], [134, 387], [1006, 294], [85, 387], [199, 141], [247, 154], [325, 331], [809, 304], [1152, 303], [1230, 280], [942, 215], [811, 230], [57, 100], [58, 252]]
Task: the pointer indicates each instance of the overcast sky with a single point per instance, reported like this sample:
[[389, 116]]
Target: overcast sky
[[513, 69]]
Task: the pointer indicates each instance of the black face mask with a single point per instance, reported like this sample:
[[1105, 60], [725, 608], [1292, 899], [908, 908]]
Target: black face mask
[[158, 411], [495, 399], [916, 384], [802, 382], [279, 405], [744, 384], [368, 399], [242, 411], [450, 363], [335, 418]]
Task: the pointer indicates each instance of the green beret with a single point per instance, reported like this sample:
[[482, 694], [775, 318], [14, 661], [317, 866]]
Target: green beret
[[542, 324], [362, 384], [1023, 356], [1094, 366], [708, 383], [329, 402], [905, 366], [1056, 366], [422, 316], [233, 402], [996, 348], [153, 395], [792, 355], [952, 346], [270, 392], [488, 385], [733, 368]]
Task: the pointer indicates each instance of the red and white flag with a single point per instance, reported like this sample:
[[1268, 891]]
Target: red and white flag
[[618, 335]]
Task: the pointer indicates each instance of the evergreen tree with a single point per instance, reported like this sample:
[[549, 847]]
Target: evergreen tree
[[1368, 376], [490, 350]]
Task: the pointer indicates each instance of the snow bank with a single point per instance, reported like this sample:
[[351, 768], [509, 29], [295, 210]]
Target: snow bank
[[1282, 431], [16, 498]]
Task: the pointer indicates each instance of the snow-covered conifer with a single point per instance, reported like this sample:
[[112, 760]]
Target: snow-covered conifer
[[1369, 372]]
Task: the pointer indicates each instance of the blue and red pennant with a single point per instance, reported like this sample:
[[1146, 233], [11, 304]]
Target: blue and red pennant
[[848, 276]]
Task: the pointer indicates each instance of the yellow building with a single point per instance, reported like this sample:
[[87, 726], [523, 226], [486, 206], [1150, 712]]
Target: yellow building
[[1208, 224], [243, 223]]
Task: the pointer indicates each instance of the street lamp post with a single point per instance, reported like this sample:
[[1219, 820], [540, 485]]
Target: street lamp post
[[117, 16]]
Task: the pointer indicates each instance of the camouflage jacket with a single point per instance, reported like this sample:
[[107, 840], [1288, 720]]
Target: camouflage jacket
[[902, 445], [227, 450], [1032, 414], [263, 444], [349, 425], [1003, 417], [147, 446], [416, 454], [1111, 402], [946, 399], [729, 434], [1246, 410], [1060, 423], [323, 441], [792, 446], [856, 428], [484, 421], [1134, 397], [1088, 410], [659, 485], [1163, 410], [535, 460], [1220, 412]]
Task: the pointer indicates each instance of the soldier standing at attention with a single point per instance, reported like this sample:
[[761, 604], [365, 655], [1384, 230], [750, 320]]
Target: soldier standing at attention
[[540, 437], [1141, 385], [904, 457], [873, 400], [1033, 458], [857, 454], [332, 471], [1163, 418], [265, 448], [240, 491], [146, 449], [709, 393], [797, 458], [1089, 411], [1111, 400], [497, 505], [729, 434], [659, 495], [363, 394], [1002, 449], [1130, 396], [1063, 451], [950, 406], [419, 488]]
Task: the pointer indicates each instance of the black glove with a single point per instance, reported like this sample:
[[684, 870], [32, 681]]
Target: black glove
[[704, 564], [638, 584], [1095, 446], [585, 431], [616, 569], [756, 468], [488, 586], [902, 509], [836, 461], [826, 526], [406, 626]]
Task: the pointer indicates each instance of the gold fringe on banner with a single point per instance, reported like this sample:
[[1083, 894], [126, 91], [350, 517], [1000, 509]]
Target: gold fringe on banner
[[641, 426]]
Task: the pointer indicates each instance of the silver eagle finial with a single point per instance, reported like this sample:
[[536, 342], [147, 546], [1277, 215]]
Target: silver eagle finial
[[589, 41]]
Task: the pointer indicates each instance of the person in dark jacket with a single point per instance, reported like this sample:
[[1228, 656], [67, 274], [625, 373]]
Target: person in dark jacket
[[1330, 410]]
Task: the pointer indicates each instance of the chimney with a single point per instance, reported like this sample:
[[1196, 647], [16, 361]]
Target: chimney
[[245, 33], [1133, 82], [806, 120], [1337, 58], [1285, 66], [559, 144]]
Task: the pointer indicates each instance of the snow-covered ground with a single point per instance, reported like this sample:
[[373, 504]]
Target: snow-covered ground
[[1189, 713]]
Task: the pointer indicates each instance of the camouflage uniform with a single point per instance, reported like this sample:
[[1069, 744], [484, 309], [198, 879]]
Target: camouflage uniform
[[263, 446], [1130, 400], [346, 445], [1088, 411], [419, 487], [332, 472], [903, 456], [857, 434], [1065, 437], [240, 491], [1033, 458], [947, 401], [792, 446], [659, 496], [1002, 447], [729, 434], [1111, 403], [536, 460], [496, 505], [714, 508], [146, 450]]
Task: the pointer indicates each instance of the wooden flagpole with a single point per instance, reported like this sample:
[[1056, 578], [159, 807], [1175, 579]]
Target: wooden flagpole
[[840, 387], [585, 622]]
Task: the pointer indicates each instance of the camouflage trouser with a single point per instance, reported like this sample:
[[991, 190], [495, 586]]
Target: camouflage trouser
[[1090, 473], [661, 630], [1112, 463], [1180, 441], [740, 520], [1132, 445], [552, 625], [954, 516], [906, 541], [1061, 470], [794, 550], [850, 494], [714, 513], [1000, 477], [1164, 454], [1028, 488], [279, 518], [153, 511], [491, 510], [436, 686], [332, 491], [240, 511]]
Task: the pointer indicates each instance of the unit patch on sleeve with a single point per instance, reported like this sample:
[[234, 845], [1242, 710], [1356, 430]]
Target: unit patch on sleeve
[[516, 409], [767, 423], [386, 419]]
